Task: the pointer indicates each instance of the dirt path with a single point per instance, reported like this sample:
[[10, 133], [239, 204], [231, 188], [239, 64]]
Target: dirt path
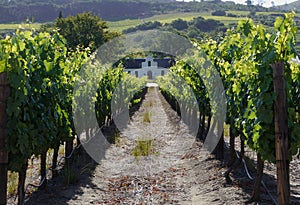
[[176, 170]]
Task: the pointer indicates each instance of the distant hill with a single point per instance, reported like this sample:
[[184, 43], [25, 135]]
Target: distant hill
[[16, 11], [289, 7], [63, 3], [47, 11]]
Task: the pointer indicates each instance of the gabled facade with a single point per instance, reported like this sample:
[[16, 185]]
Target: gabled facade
[[148, 66]]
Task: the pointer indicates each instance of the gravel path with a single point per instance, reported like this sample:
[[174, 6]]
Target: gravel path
[[176, 170]]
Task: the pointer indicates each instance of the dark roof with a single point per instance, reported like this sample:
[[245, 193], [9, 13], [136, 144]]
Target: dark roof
[[133, 63], [137, 63], [165, 63]]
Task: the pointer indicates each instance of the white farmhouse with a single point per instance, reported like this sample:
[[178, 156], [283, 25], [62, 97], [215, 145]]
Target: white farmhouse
[[148, 66]]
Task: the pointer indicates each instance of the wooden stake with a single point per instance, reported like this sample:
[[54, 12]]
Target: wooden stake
[[4, 93], [281, 134]]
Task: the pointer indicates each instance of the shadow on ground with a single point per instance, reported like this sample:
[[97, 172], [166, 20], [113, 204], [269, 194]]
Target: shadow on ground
[[75, 174], [268, 192]]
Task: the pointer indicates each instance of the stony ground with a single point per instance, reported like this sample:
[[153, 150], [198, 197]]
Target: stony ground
[[176, 170]]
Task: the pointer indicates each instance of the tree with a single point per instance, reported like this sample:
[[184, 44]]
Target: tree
[[273, 3], [179, 24], [60, 15], [84, 30], [206, 25], [252, 14], [248, 2], [144, 27], [219, 13]]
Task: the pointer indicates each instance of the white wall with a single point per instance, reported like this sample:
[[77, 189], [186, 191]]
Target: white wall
[[149, 68]]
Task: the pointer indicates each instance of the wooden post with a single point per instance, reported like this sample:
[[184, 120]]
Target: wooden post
[[54, 161], [219, 150], [68, 150], [194, 122], [4, 93], [21, 184], [43, 171], [281, 134], [232, 145]]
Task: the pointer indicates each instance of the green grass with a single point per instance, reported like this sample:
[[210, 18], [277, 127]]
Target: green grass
[[167, 18], [225, 19], [239, 13], [187, 16], [12, 184], [149, 104], [143, 148], [117, 139], [12, 27], [119, 26], [147, 116], [226, 130], [151, 89], [163, 18], [267, 13]]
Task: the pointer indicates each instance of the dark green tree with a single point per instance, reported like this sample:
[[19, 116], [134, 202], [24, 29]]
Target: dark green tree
[[150, 25], [84, 30], [206, 25], [218, 13], [60, 15], [179, 24], [248, 2]]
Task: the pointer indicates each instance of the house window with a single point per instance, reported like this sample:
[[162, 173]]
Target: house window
[[149, 63], [162, 73], [137, 74]]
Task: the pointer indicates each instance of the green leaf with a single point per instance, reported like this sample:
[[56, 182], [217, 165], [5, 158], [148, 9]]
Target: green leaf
[[48, 65], [265, 115], [252, 116], [278, 22], [21, 45], [2, 65]]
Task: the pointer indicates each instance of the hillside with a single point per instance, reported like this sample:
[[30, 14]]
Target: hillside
[[46, 11], [289, 7]]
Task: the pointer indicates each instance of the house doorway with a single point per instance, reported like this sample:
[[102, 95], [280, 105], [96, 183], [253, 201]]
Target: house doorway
[[149, 74]]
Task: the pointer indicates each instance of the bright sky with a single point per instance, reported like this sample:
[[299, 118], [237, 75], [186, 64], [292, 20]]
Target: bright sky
[[266, 4]]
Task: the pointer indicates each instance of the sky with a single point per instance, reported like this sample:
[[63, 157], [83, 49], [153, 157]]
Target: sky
[[266, 4]]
